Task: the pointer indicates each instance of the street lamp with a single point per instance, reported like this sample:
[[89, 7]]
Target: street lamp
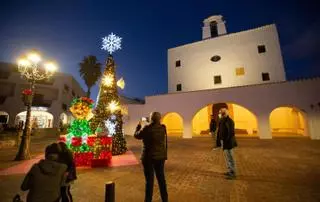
[[33, 69]]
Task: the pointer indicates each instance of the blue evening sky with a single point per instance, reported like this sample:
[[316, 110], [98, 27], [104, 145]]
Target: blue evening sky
[[68, 30]]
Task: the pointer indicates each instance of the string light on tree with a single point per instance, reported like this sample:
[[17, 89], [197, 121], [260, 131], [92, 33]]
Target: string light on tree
[[113, 106], [111, 126], [108, 80], [113, 117]]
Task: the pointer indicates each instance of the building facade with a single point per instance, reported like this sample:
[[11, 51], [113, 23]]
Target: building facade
[[51, 100], [223, 60], [243, 72]]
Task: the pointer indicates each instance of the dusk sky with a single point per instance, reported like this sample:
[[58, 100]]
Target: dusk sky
[[66, 31]]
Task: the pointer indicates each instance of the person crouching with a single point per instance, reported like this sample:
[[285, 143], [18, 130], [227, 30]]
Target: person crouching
[[45, 178]]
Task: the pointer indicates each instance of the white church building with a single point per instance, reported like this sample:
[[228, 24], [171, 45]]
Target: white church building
[[242, 71]]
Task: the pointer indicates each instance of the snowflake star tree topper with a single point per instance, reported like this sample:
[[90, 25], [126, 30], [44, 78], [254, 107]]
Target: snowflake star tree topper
[[111, 43]]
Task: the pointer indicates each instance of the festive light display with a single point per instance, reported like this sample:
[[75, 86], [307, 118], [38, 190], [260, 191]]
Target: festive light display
[[108, 112], [81, 107], [29, 66], [111, 43], [27, 92], [111, 126], [78, 132], [107, 80], [121, 84], [113, 106], [88, 148]]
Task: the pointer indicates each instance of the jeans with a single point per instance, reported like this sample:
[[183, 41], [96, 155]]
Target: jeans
[[150, 167], [218, 140], [228, 155]]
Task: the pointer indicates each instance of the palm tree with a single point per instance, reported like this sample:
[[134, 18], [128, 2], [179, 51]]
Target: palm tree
[[90, 71]]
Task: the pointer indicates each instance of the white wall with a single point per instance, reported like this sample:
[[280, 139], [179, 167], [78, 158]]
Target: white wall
[[14, 105], [261, 100], [236, 50]]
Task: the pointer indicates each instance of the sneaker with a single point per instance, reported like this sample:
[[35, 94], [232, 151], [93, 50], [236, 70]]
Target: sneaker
[[215, 148], [230, 175], [226, 173]]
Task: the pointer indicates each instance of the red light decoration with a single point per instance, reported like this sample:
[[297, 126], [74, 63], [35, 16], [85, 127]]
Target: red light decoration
[[91, 140], [76, 141], [99, 154], [27, 92], [83, 159]]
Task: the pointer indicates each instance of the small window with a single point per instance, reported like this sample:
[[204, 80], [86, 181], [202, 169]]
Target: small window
[[265, 77], [2, 99], [240, 71], [64, 107], [262, 49], [179, 87], [214, 28], [66, 88], [215, 58], [217, 79], [178, 63]]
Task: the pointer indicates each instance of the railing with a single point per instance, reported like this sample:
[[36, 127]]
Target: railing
[[42, 103]]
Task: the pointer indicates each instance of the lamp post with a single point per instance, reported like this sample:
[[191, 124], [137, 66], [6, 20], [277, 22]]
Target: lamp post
[[32, 69]]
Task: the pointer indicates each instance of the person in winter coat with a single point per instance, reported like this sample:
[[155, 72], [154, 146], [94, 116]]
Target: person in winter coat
[[45, 178], [154, 154], [66, 157], [227, 134]]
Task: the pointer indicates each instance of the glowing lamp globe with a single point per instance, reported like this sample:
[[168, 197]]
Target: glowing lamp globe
[[24, 62], [34, 57], [51, 67]]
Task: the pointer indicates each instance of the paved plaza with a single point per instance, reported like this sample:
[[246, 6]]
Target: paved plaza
[[283, 169]]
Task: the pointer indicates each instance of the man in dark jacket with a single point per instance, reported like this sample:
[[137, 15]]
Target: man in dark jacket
[[154, 154], [226, 132], [45, 178]]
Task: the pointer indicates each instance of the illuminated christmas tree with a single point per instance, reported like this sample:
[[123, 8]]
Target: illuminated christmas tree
[[108, 110]]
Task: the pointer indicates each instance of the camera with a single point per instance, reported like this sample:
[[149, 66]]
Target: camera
[[145, 119]]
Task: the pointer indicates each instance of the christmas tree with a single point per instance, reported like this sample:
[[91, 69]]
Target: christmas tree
[[108, 111]]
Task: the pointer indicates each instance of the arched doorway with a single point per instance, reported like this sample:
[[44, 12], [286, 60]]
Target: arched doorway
[[63, 118], [174, 124], [245, 121], [288, 121], [42, 119], [4, 117]]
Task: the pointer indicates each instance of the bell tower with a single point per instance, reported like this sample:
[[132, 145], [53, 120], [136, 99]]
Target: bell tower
[[214, 26]]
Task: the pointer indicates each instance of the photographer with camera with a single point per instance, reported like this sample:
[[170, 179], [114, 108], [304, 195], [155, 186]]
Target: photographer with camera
[[154, 154]]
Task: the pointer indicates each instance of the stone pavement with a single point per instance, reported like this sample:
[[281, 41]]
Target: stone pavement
[[285, 169]]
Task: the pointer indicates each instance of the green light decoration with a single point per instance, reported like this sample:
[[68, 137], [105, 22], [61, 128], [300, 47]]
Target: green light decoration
[[79, 127]]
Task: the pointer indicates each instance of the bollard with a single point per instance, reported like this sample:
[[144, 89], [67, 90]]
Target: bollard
[[110, 192]]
